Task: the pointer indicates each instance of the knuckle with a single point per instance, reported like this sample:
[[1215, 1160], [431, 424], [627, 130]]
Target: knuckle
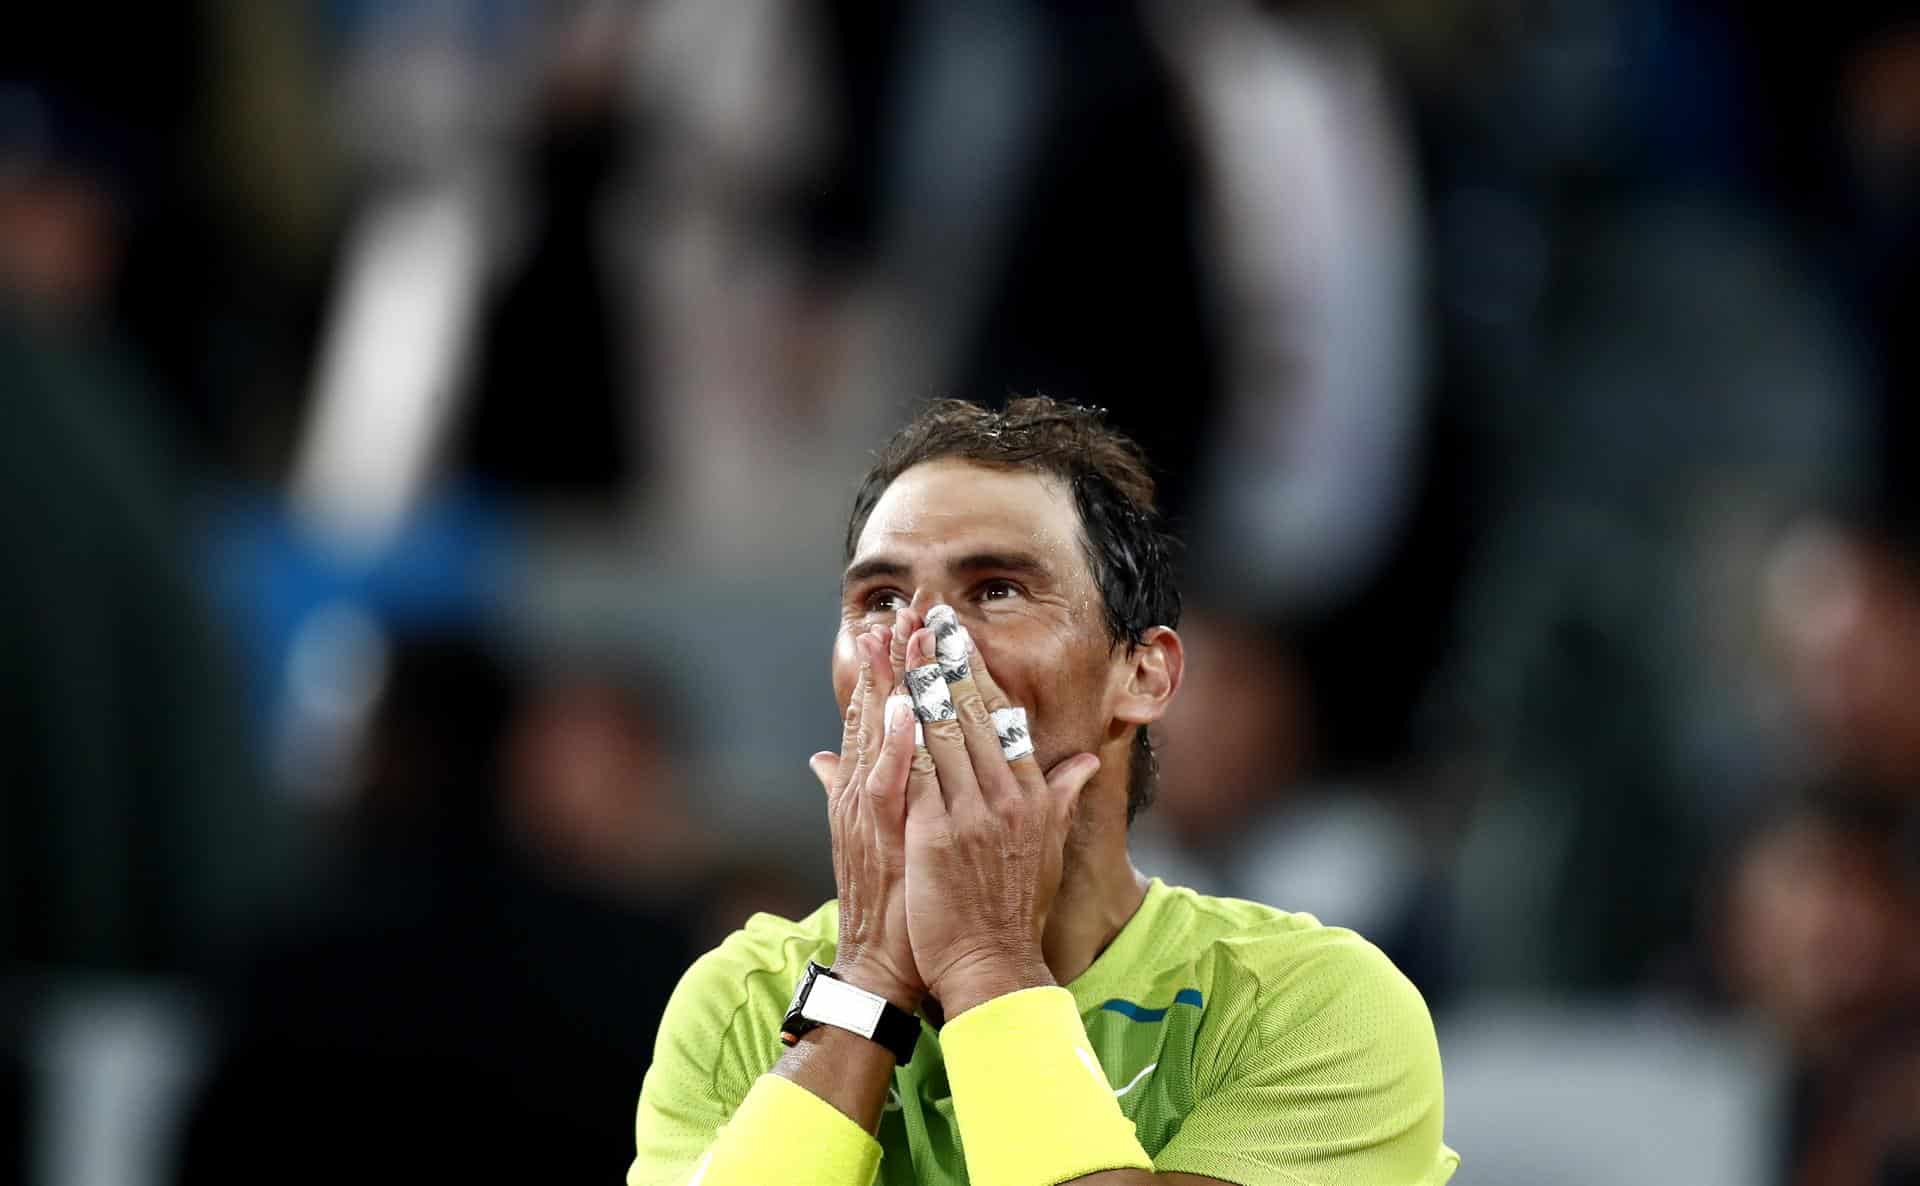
[[974, 708], [922, 764]]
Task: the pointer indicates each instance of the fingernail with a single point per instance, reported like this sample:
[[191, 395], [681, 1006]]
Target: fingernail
[[899, 711], [950, 642], [928, 687], [1010, 726]]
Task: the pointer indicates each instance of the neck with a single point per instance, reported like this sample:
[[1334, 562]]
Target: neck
[[1100, 890]]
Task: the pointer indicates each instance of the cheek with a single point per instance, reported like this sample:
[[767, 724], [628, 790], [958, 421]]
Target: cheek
[[1048, 683], [846, 668], [1016, 683]]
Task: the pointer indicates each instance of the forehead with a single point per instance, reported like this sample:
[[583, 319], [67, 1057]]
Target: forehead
[[961, 506]]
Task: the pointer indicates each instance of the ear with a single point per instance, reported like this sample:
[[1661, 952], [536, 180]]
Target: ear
[[1151, 677]]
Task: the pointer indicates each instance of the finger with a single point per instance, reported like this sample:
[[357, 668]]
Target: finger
[[924, 795], [953, 647], [886, 786], [873, 699], [946, 740], [1068, 779], [904, 624], [850, 721], [1012, 733], [1010, 729], [826, 768], [905, 702]]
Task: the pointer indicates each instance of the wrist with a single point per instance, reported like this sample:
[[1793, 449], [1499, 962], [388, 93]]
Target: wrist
[[864, 974], [963, 988]]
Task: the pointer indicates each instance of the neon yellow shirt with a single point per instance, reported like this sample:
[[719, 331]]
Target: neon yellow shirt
[[1243, 1042]]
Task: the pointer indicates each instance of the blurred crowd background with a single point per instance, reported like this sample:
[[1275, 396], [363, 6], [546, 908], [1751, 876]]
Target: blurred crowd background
[[426, 424]]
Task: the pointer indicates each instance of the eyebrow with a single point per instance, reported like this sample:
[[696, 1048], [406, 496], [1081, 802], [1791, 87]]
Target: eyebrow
[[1016, 562], [866, 570], [1022, 563]]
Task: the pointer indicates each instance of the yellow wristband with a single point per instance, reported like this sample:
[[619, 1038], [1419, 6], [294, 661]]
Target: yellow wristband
[[1034, 1106], [784, 1133]]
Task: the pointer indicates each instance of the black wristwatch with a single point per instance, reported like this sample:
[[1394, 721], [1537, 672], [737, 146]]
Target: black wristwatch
[[824, 999]]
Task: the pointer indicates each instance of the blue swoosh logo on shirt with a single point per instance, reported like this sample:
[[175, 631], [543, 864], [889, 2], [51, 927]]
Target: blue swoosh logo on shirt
[[1186, 996]]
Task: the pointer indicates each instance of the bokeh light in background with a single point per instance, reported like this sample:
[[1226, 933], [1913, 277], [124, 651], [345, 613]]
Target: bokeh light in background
[[428, 428]]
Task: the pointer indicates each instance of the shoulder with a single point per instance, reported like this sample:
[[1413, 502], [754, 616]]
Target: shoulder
[[1279, 953], [730, 1002], [1300, 1013], [1315, 1058], [1277, 977], [767, 947]]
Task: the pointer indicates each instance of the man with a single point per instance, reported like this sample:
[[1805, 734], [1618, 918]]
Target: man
[[1008, 1002]]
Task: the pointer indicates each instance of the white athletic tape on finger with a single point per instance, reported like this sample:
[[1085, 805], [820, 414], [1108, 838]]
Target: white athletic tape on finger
[[950, 642], [928, 687], [919, 736], [1010, 726]]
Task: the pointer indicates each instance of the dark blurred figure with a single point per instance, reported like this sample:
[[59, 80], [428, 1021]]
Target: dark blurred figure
[[135, 838], [1821, 935], [1649, 366], [1254, 804], [1843, 613], [595, 797], [593, 789], [475, 998], [552, 413], [1238, 741], [1837, 114], [1819, 915], [133, 831]]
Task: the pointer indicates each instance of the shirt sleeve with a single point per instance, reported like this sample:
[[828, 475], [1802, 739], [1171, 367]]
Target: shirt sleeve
[[1326, 1073]]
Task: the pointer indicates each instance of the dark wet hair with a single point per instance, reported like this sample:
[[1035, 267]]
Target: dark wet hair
[[1128, 546]]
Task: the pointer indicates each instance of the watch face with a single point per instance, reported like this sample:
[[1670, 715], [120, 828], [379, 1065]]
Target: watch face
[[794, 1025], [805, 986]]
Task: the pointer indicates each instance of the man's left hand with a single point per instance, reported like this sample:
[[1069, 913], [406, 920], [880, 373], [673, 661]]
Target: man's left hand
[[985, 842]]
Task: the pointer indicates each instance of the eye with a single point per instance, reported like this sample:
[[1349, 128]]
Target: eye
[[998, 590], [884, 601]]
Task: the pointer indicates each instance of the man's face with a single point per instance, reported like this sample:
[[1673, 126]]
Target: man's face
[[1003, 548]]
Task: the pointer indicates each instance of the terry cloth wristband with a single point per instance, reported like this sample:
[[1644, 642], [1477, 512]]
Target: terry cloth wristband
[[1035, 1109], [784, 1133]]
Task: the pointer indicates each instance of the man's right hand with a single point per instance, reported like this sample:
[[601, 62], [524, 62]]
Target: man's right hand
[[866, 785]]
